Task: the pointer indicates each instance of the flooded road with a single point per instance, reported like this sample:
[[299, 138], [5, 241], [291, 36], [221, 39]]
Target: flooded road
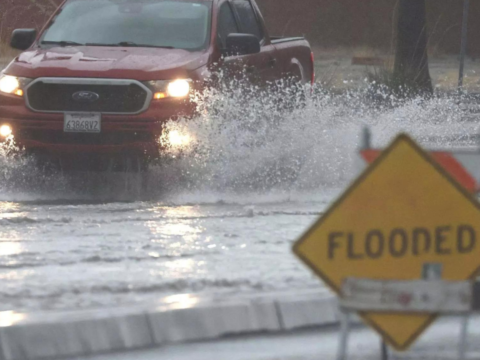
[[66, 256], [230, 205]]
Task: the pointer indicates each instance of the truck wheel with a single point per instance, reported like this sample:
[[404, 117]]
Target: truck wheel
[[292, 94], [146, 184], [45, 163], [137, 176]]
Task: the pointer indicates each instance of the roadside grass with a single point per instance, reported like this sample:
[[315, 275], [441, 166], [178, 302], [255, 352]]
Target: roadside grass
[[342, 68], [336, 70]]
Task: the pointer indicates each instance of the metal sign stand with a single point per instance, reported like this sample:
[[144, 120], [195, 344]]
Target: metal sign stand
[[463, 342], [385, 351], [342, 353], [347, 307]]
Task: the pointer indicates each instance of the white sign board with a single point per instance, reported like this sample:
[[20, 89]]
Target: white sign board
[[422, 296]]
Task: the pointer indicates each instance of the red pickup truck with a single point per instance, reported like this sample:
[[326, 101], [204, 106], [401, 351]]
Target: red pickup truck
[[104, 76]]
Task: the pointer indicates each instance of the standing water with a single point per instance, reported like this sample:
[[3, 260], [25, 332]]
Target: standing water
[[238, 184]]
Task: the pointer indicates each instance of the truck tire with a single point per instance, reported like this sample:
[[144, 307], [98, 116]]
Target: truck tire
[[292, 93]]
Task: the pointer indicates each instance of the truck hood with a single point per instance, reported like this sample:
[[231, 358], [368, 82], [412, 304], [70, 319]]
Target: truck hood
[[106, 62]]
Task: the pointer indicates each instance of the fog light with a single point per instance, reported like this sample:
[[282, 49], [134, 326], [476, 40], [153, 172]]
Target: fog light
[[5, 131], [178, 140]]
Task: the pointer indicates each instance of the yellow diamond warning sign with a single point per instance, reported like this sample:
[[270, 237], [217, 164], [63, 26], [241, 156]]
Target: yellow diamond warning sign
[[405, 218]]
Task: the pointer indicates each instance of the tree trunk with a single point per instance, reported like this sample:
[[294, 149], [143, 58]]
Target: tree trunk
[[411, 58]]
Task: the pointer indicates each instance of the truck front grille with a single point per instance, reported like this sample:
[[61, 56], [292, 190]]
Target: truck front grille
[[106, 96]]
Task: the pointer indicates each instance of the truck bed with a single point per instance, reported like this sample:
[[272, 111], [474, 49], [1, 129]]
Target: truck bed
[[280, 39]]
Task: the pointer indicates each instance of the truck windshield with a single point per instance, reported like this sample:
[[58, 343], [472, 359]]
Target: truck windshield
[[150, 23]]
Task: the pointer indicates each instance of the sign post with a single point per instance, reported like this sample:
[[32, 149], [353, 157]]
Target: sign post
[[403, 220], [463, 45]]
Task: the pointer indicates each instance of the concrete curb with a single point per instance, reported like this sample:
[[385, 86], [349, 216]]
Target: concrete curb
[[180, 318]]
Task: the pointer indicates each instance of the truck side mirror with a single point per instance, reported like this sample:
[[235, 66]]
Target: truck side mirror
[[242, 44], [22, 39]]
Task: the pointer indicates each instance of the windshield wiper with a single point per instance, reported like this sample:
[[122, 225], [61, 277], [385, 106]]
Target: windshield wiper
[[133, 44], [62, 43], [130, 44]]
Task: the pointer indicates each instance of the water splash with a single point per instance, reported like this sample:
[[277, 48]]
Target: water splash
[[247, 141]]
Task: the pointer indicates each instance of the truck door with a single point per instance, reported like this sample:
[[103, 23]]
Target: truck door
[[238, 16], [231, 66], [262, 66]]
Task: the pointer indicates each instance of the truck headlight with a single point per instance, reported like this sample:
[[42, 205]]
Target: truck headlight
[[178, 88], [162, 89], [12, 84]]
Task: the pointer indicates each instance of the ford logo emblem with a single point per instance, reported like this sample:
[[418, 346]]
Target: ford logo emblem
[[85, 96]]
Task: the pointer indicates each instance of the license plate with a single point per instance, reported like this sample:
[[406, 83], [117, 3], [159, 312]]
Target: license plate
[[82, 122]]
